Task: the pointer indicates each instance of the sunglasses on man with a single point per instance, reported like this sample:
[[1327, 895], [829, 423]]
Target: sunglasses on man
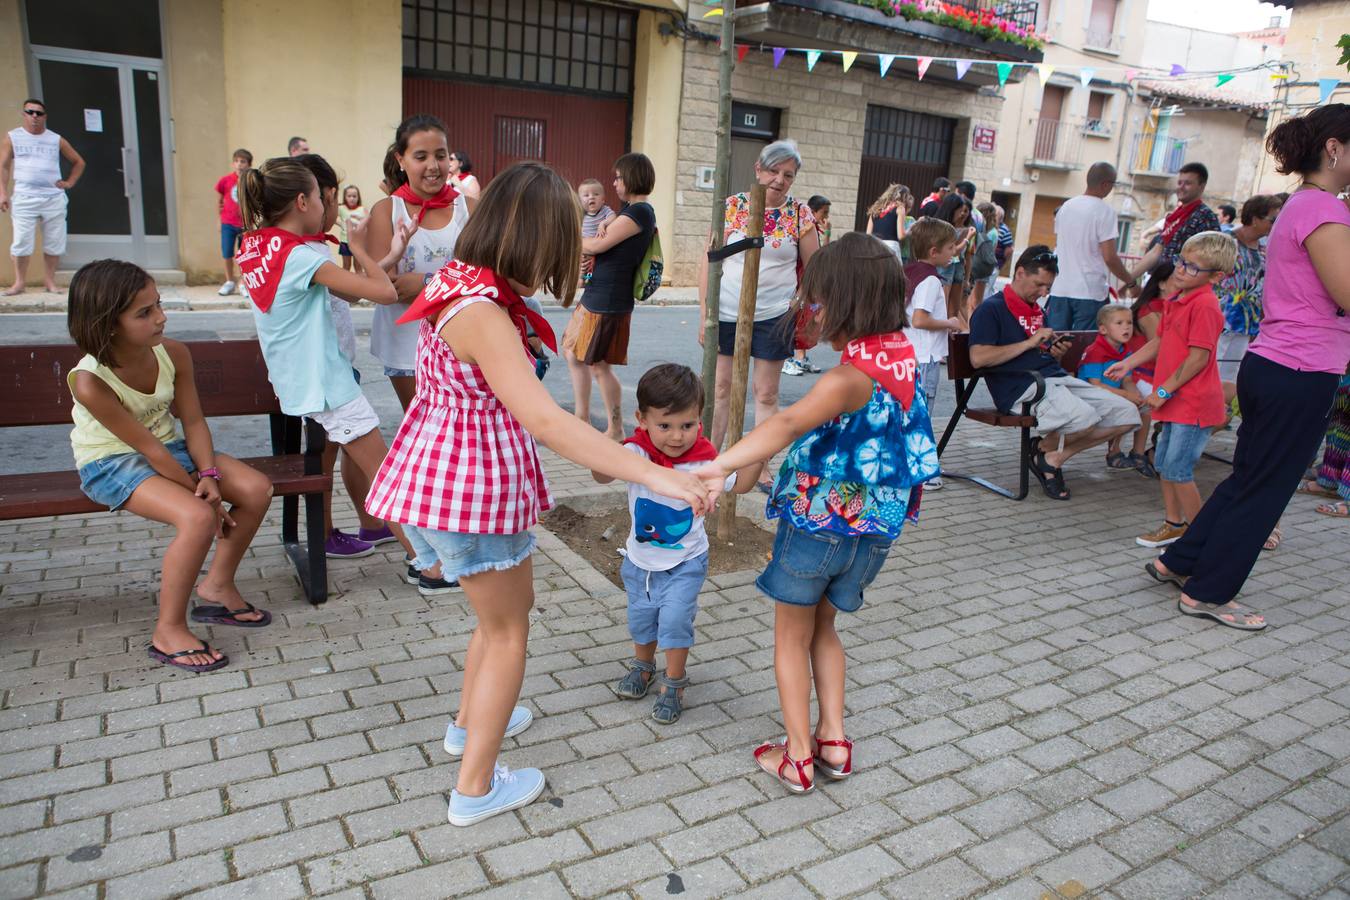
[[35, 113]]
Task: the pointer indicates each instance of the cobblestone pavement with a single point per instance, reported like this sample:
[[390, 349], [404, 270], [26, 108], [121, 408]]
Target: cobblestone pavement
[[1030, 711]]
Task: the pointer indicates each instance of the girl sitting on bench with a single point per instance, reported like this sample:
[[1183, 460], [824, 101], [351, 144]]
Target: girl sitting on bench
[[129, 454]]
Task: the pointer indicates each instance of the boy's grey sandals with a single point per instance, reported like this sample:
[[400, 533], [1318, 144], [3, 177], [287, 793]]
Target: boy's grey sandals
[[633, 686], [668, 707]]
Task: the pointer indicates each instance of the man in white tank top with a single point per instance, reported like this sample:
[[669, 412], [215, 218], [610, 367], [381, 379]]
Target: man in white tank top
[[32, 154]]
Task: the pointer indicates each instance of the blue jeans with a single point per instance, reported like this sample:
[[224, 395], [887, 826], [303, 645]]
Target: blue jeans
[[1072, 313], [1179, 449]]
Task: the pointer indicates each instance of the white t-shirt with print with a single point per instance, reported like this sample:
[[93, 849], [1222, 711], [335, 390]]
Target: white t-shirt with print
[[930, 297], [664, 532], [1081, 225]]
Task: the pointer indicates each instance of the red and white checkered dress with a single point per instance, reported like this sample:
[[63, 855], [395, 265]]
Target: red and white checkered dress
[[460, 461]]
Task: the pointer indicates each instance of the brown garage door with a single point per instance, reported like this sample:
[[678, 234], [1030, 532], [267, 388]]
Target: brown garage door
[[496, 126], [901, 146]]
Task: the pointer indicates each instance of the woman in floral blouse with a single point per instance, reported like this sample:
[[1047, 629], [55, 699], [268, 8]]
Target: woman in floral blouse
[[790, 237], [1240, 293]]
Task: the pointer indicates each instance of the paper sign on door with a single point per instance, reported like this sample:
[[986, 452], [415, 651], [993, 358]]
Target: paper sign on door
[[93, 120]]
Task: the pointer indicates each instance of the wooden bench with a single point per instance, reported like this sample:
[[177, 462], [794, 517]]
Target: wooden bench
[[967, 378], [231, 381]]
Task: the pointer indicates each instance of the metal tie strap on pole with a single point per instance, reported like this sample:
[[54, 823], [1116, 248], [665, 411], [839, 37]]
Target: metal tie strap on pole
[[721, 187], [740, 361]]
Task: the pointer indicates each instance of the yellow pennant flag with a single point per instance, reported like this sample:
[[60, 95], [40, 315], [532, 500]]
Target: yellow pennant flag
[[849, 56], [1045, 70], [712, 12]]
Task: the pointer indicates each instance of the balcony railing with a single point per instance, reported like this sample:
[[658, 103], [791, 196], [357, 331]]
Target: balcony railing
[[1056, 144], [1097, 127], [1019, 12], [1102, 41], [1159, 155]]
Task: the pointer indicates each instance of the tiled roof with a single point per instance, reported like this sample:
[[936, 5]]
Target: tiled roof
[[1183, 90]]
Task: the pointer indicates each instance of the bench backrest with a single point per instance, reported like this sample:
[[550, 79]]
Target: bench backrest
[[231, 380], [958, 353]]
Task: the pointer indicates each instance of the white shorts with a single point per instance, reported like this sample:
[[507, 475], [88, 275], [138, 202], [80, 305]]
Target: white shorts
[[1229, 352], [27, 211], [353, 419], [1071, 405]]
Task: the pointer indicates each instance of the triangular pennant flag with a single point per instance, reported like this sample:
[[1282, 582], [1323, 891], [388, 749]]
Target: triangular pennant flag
[[741, 50], [712, 12], [811, 57], [1223, 79], [848, 56], [1325, 88], [1085, 76], [1004, 70], [778, 54], [884, 60], [962, 67], [1045, 70], [1177, 70], [1131, 75], [924, 63]]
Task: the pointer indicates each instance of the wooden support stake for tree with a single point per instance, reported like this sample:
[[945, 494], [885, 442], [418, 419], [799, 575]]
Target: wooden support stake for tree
[[740, 361], [721, 187]]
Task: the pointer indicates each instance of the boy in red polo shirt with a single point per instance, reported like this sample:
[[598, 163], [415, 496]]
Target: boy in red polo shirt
[[1187, 396]]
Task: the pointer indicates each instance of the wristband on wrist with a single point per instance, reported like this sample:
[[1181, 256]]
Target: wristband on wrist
[[1163, 393], [212, 472]]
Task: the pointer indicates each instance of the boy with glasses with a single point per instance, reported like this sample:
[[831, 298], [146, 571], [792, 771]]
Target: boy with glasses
[[1187, 397], [32, 154]]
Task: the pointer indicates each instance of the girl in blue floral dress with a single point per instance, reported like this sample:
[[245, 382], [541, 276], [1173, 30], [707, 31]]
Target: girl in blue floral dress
[[862, 446]]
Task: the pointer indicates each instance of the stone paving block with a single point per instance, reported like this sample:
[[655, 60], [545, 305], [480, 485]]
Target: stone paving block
[[600, 874], [23, 817], [1072, 825], [28, 762], [716, 800], [932, 762], [1167, 880], [185, 876], [115, 858], [1321, 799], [1201, 812], [924, 843], [376, 765], [535, 854], [790, 811], [630, 827], [549, 816], [1002, 856], [1222, 855], [859, 825], [448, 878], [246, 793], [20, 881], [219, 774], [1276, 824], [109, 798], [763, 859], [109, 746], [362, 865], [950, 879], [50, 783], [852, 872], [1136, 799], [278, 884], [1144, 840], [999, 813], [341, 801], [1186, 774], [709, 879], [289, 847], [709, 839]]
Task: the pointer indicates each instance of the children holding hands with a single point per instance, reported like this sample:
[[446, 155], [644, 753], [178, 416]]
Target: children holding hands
[[666, 558], [1187, 396]]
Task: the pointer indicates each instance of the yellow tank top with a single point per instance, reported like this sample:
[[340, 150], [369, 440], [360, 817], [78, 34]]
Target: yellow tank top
[[91, 441]]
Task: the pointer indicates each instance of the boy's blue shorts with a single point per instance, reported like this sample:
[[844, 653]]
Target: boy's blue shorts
[[1179, 449], [662, 605], [229, 239], [809, 566]]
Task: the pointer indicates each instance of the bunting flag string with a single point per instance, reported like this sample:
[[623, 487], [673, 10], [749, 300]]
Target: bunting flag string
[[1004, 69]]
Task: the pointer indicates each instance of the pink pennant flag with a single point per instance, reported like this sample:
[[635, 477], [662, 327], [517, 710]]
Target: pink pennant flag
[[962, 67], [1131, 74], [924, 63]]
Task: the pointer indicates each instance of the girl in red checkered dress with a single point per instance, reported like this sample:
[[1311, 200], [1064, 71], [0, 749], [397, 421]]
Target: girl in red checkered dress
[[463, 476]]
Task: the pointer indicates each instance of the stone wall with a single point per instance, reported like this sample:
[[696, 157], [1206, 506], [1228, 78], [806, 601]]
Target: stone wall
[[825, 112]]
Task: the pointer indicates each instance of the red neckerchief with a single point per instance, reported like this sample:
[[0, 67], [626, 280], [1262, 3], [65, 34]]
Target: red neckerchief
[[457, 280], [1029, 315], [916, 273], [702, 450], [888, 359], [1175, 219], [262, 258], [1103, 350], [443, 199]]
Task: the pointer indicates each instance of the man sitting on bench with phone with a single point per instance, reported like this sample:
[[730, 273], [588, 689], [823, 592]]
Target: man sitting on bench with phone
[[1009, 329]]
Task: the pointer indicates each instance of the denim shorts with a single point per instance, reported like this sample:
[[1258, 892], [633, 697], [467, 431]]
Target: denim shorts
[[111, 480], [462, 554], [229, 239], [1072, 313], [771, 339], [662, 605], [810, 565], [1179, 449], [391, 372], [930, 373]]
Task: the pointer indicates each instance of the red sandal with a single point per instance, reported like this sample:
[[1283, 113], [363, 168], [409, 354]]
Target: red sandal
[[831, 772], [804, 784]]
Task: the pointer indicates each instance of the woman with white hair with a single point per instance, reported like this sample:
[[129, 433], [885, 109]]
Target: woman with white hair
[[790, 237]]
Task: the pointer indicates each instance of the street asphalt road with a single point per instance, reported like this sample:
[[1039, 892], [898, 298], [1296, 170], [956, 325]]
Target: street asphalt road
[[659, 334]]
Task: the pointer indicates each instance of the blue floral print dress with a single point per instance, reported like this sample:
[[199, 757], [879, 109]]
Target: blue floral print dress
[[863, 472]]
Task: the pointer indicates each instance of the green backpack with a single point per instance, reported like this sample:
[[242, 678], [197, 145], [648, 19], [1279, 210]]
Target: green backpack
[[648, 277]]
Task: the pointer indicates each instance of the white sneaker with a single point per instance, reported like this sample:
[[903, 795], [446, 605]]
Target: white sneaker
[[933, 485], [792, 367], [226, 289]]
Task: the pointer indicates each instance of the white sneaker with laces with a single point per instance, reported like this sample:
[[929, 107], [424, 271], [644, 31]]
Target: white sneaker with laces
[[792, 367], [226, 289]]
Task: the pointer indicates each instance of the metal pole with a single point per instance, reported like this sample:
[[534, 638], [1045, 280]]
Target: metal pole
[[740, 362], [721, 187]]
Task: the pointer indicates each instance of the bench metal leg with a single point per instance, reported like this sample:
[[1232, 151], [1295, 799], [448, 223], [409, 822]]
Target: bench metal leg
[[1024, 475], [311, 564]]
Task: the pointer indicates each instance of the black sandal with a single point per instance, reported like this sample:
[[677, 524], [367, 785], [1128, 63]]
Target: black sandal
[[223, 615], [1051, 478]]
